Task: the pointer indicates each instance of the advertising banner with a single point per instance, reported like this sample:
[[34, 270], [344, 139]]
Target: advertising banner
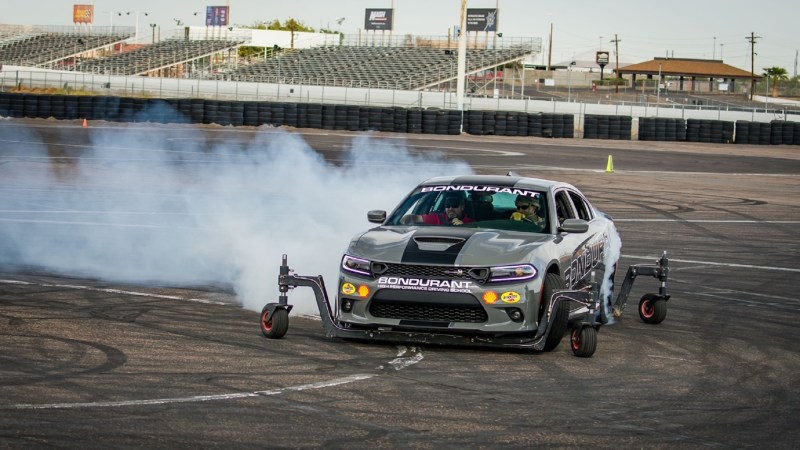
[[217, 16], [83, 14], [482, 19], [378, 19]]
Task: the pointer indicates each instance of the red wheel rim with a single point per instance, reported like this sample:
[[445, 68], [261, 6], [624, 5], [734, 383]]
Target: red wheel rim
[[266, 324], [576, 339], [647, 309]]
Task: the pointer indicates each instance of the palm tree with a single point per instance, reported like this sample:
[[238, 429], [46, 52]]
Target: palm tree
[[775, 74]]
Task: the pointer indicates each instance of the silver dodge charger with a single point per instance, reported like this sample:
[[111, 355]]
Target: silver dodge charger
[[478, 256]]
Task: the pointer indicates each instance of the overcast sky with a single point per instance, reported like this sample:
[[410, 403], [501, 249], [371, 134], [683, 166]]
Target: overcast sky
[[699, 29]]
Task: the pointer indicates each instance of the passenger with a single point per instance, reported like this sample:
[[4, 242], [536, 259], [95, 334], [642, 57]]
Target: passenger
[[453, 213], [528, 210]]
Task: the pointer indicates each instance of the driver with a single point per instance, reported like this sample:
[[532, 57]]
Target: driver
[[453, 214]]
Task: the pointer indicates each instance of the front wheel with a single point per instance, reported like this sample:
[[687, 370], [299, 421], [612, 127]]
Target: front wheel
[[274, 326], [652, 309], [560, 314], [584, 341]]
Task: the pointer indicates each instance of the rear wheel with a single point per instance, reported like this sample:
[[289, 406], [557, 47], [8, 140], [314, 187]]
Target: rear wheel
[[553, 282], [652, 309], [274, 326], [584, 341]]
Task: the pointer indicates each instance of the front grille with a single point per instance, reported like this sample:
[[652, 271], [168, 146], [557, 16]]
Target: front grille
[[433, 313], [420, 271]]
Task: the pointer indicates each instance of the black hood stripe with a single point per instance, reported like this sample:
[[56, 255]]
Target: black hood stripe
[[413, 254]]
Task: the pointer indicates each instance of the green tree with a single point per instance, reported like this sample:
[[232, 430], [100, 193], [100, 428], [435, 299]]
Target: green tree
[[775, 74]]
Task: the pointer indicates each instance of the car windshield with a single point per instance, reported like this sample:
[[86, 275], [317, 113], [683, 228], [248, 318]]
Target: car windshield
[[476, 206]]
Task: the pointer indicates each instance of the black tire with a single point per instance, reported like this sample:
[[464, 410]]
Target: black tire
[[275, 326], [652, 309], [583, 341], [553, 282]]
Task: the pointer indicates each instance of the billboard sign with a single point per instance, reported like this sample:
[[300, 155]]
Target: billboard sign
[[482, 19], [378, 19], [217, 16], [601, 58], [83, 14]]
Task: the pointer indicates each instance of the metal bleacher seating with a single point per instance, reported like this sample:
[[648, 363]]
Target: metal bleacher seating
[[375, 67], [153, 57], [48, 49]]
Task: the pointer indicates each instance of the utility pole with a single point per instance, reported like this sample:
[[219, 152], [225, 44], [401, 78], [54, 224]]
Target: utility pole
[[550, 48], [462, 60], [752, 39], [616, 42]]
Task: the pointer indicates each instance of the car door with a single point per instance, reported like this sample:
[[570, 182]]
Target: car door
[[578, 252]]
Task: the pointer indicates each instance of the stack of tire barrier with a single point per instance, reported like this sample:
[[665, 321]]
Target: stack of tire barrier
[[515, 123], [753, 133], [393, 119], [784, 133], [237, 113], [661, 129], [716, 131], [607, 127]]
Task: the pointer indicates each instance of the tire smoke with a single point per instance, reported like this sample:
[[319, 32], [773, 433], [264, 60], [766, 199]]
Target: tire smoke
[[168, 208]]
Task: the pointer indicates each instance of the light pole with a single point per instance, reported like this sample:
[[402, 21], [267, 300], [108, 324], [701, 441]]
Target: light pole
[[658, 85], [714, 53], [136, 15], [569, 80], [153, 26]]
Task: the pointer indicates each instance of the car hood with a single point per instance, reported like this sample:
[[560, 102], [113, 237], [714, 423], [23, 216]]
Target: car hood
[[446, 246]]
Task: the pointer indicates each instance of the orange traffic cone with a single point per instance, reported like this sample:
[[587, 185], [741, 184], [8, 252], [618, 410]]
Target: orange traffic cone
[[85, 124]]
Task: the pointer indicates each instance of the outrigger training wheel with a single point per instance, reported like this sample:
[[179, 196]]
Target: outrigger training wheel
[[583, 341], [274, 325], [652, 309]]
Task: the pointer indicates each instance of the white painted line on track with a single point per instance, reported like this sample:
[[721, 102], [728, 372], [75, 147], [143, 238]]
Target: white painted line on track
[[719, 264], [103, 224], [788, 222], [198, 398]]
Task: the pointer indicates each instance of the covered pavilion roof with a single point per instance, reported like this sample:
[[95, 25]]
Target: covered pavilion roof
[[686, 67]]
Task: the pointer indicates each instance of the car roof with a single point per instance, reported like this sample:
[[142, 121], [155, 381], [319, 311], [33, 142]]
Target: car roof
[[514, 181]]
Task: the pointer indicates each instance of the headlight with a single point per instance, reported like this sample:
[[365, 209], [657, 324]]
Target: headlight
[[356, 265], [512, 273]]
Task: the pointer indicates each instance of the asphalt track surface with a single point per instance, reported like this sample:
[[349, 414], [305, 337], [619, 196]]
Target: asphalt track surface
[[92, 364]]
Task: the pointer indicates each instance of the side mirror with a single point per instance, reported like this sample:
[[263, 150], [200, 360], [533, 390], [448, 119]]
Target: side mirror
[[574, 226], [376, 216]]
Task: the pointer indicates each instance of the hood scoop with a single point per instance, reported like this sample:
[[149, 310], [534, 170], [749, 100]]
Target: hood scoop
[[437, 244]]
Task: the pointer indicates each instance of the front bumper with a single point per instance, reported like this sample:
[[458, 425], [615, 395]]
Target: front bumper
[[396, 303]]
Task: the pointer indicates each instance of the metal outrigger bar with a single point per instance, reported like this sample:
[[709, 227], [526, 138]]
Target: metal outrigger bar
[[652, 307]]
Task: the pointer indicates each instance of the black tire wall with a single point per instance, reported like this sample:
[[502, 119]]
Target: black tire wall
[[413, 120]]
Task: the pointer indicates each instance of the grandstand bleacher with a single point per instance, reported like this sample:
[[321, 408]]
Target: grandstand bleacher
[[53, 49], [406, 64], [405, 68], [158, 56]]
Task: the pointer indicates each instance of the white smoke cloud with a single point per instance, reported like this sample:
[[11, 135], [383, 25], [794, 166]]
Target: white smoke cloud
[[611, 255], [136, 208]]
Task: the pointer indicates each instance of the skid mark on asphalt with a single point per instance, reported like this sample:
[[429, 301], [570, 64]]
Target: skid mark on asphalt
[[406, 356]]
